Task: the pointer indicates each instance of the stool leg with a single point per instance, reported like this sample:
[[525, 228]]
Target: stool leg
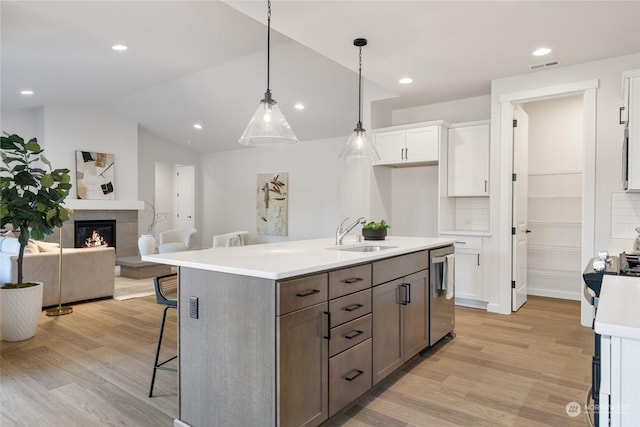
[[155, 363]]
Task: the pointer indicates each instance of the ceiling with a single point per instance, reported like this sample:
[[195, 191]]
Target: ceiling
[[205, 61]]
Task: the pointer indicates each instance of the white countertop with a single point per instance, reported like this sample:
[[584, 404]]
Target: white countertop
[[619, 307], [292, 258]]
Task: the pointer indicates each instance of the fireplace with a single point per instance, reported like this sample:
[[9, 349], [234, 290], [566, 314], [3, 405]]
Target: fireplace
[[95, 233]]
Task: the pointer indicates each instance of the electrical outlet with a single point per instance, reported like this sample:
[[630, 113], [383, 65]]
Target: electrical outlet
[[193, 307]]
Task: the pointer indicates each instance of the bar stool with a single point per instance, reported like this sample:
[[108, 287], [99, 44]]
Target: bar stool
[[164, 286]]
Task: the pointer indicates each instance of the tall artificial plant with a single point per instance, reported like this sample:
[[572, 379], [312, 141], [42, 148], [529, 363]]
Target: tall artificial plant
[[31, 191]]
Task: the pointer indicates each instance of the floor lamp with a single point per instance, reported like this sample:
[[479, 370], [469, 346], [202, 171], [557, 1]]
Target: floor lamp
[[59, 310]]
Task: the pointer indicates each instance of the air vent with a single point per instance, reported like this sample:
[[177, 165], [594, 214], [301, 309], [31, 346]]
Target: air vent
[[545, 65]]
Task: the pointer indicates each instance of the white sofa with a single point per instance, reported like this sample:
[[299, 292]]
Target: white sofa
[[87, 273]]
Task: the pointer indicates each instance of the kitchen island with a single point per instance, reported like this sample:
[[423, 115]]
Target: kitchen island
[[618, 323], [290, 333]]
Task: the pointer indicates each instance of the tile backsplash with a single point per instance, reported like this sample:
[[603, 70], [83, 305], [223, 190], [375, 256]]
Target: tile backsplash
[[625, 215], [472, 213]]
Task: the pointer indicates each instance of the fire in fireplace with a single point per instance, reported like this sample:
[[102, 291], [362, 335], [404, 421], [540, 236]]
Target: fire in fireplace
[[95, 233]]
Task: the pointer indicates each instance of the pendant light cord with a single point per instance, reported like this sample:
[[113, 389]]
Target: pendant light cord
[[268, 41], [360, 88]]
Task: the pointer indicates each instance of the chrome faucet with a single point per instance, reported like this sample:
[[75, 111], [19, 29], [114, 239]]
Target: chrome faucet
[[340, 233]]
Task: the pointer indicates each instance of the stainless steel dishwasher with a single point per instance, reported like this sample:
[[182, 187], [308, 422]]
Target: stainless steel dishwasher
[[442, 291]]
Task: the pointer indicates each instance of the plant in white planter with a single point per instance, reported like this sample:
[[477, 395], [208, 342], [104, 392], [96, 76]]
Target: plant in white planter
[[32, 194]]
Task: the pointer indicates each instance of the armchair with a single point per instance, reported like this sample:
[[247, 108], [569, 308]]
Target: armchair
[[177, 239]]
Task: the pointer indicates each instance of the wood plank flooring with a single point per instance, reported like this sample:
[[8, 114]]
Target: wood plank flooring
[[93, 367]]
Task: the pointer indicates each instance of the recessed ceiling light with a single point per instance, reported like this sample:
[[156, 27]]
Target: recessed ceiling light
[[26, 92], [299, 106], [405, 80], [119, 47], [197, 126], [541, 51]]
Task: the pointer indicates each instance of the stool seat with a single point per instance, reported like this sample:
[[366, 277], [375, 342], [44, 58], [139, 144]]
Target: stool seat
[[165, 286]]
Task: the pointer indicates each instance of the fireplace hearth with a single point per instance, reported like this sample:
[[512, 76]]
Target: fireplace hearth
[[95, 233]]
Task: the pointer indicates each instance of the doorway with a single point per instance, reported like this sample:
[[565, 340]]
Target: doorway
[[554, 197], [587, 90]]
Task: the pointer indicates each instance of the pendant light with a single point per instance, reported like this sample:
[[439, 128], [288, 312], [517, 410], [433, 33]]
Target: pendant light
[[268, 126], [359, 146]]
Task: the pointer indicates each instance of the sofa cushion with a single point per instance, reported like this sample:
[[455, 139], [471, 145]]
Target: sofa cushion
[[47, 246], [10, 245]]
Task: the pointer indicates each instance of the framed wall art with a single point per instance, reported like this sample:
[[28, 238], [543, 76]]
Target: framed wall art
[[272, 204], [94, 176]]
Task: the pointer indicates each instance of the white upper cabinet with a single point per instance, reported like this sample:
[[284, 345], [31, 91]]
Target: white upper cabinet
[[408, 145], [468, 159], [631, 147]]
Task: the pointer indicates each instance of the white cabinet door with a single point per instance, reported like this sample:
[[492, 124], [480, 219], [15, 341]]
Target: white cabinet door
[[468, 161], [390, 146], [468, 273], [421, 144]]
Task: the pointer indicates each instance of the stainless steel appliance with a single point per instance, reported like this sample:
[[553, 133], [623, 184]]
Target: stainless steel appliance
[[624, 265], [625, 159], [442, 287]]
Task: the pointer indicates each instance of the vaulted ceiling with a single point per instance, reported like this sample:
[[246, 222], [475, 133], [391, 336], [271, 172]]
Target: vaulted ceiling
[[205, 61]]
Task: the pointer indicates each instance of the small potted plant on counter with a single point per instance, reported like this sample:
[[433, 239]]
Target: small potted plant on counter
[[32, 193], [375, 230]]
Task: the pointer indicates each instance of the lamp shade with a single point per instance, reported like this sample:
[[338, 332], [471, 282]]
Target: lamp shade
[[359, 147], [268, 127]]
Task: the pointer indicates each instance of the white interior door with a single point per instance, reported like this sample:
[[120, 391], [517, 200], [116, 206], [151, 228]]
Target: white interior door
[[519, 214], [185, 188]]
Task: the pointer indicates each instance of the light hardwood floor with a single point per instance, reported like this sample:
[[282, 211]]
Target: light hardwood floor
[[93, 368]]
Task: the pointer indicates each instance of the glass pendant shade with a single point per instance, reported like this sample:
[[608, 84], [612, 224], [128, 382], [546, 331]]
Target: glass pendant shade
[[268, 127], [359, 147]]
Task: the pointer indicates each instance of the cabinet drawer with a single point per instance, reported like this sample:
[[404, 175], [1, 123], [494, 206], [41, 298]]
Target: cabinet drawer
[[400, 266], [349, 376], [349, 280], [349, 334], [349, 307], [468, 242], [303, 292]]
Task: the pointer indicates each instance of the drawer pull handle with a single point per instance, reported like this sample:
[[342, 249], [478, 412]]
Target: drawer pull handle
[[353, 307], [355, 375], [353, 280], [307, 293], [351, 335]]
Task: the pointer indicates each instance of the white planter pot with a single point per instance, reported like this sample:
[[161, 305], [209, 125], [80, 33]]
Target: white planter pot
[[19, 312], [146, 244]]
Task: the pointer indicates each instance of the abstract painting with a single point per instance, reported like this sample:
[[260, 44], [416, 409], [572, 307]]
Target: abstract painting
[[272, 204], [94, 176]]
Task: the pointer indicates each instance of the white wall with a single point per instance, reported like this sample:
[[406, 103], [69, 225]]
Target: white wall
[[63, 130], [607, 156], [67, 129], [157, 159], [459, 110], [315, 189]]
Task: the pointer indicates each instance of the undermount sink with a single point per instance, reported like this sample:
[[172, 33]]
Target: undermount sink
[[372, 248]]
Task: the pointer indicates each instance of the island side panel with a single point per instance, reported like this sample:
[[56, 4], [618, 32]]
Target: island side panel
[[227, 355]]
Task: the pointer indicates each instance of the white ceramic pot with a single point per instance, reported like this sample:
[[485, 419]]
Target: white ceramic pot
[[20, 311], [146, 244]]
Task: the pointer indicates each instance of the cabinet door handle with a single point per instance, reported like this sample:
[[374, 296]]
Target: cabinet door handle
[[478, 260], [485, 185], [402, 154], [353, 280], [408, 293], [328, 336], [353, 376], [353, 307], [403, 296], [406, 154], [620, 116], [307, 293], [353, 334]]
